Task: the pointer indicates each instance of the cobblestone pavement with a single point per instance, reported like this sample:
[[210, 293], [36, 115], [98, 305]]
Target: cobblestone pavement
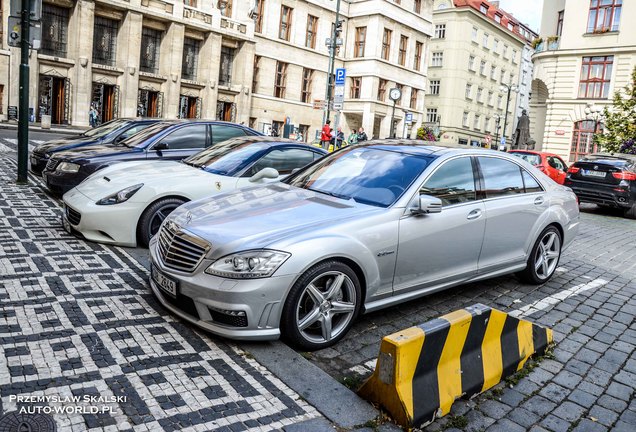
[[589, 382], [78, 320]]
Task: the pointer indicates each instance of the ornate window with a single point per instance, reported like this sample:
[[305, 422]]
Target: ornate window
[[190, 58], [54, 30], [150, 44], [225, 69], [583, 139], [105, 41], [596, 74]]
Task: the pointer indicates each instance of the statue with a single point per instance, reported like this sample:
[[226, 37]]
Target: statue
[[521, 137]]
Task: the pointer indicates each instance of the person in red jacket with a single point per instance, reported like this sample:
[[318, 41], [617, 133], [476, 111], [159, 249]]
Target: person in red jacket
[[325, 135]]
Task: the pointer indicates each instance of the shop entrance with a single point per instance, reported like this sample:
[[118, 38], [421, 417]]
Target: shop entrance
[[54, 98], [106, 101]]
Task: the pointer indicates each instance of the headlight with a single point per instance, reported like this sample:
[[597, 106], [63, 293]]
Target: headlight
[[248, 264], [121, 196], [68, 167]]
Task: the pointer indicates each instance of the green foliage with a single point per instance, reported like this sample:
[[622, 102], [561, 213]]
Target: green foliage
[[620, 121]]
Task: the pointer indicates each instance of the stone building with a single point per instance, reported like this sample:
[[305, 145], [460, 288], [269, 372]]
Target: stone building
[[255, 62], [587, 52], [477, 48]]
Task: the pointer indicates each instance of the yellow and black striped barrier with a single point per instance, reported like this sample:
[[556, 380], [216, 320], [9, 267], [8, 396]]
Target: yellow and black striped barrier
[[422, 370]]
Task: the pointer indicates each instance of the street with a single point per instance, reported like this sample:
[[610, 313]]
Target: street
[[77, 318]]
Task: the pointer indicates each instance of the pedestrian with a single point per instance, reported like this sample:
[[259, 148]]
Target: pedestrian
[[362, 135], [353, 137], [92, 116], [325, 135], [337, 139]]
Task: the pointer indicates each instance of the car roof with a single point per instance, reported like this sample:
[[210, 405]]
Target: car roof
[[624, 156], [273, 141], [421, 148], [535, 152]]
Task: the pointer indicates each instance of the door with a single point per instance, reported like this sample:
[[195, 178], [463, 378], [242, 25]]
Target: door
[[442, 247], [149, 103], [183, 142], [514, 202], [558, 169]]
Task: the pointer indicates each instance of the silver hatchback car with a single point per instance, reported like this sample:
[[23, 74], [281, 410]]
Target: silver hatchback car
[[364, 228]]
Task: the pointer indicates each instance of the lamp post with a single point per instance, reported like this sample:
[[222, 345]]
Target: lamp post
[[332, 45], [394, 94], [497, 120], [594, 113], [509, 88]]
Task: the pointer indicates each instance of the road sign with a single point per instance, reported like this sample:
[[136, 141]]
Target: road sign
[[318, 104], [337, 105], [339, 90], [341, 74], [503, 141], [409, 117], [14, 36], [35, 8]]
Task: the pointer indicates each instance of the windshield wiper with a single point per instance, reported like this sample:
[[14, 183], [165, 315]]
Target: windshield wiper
[[333, 194]]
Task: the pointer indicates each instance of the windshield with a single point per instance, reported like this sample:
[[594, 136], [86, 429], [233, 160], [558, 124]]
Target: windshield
[[533, 159], [105, 129], [227, 158], [142, 136], [366, 175]]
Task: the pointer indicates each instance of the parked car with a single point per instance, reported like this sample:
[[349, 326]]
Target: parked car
[[108, 133], [125, 204], [367, 227], [166, 140], [548, 163], [605, 180]]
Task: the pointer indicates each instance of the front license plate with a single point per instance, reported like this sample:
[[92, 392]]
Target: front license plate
[[590, 173], [66, 224], [165, 283]]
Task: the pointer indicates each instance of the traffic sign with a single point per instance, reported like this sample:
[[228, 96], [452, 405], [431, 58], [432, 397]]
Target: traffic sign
[[341, 74], [318, 104], [337, 105], [14, 36], [409, 117], [35, 8]]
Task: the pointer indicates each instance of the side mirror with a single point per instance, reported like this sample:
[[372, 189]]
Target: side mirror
[[161, 146], [265, 173], [427, 204]]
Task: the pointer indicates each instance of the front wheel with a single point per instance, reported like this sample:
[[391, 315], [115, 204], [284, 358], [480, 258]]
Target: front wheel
[[151, 219], [544, 257], [321, 306]]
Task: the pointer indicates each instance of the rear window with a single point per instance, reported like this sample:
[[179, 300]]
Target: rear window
[[615, 162], [532, 159]]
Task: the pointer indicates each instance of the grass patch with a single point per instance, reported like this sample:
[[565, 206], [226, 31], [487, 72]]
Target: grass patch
[[352, 382], [457, 422]]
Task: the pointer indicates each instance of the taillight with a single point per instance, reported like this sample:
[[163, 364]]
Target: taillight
[[573, 170], [624, 175]]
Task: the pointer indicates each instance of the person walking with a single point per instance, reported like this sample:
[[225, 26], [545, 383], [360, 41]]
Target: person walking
[[325, 135], [337, 139], [362, 135], [92, 116], [353, 137]]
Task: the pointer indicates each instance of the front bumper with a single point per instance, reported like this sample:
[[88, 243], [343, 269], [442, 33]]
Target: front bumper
[[200, 296], [60, 183], [37, 162], [110, 224]]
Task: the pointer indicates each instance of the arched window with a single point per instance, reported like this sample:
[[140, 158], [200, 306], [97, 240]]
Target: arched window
[[583, 139]]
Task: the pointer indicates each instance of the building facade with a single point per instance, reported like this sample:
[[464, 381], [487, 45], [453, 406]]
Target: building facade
[[256, 62], [477, 48], [587, 52]]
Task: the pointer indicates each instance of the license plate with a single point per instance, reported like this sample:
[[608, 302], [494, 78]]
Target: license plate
[[590, 173], [66, 224], [165, 283]]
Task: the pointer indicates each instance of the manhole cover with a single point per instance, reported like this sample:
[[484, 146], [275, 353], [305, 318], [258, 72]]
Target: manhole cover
[[16, 422]]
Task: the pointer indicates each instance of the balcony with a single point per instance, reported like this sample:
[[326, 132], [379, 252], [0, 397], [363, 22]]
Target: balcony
[[549, 44]]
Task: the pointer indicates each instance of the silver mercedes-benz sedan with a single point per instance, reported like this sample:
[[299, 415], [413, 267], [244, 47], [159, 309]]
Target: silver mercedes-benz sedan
[[364, 228]]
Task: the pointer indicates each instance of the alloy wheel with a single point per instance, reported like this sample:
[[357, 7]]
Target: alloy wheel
[[547, 255]]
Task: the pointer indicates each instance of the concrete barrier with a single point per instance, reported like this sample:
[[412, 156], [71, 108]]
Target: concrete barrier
[[422, 370]]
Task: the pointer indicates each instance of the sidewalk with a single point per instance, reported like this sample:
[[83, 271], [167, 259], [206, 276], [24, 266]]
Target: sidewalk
[[70, 130]]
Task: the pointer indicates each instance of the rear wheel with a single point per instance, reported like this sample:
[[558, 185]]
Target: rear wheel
[[153, 216], [321, 306], [544, 257]]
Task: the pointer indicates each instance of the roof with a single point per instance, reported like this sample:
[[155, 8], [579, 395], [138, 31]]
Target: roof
[[418, 147], [494, 9]]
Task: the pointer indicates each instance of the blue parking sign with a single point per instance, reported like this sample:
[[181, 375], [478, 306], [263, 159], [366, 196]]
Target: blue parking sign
[[341, 74]]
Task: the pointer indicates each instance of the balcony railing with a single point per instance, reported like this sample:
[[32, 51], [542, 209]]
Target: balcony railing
[[547, 46]]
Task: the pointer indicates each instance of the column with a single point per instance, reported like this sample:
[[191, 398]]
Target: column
[[128, 49]]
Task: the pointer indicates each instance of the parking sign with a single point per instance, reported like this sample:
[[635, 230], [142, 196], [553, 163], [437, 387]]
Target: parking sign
[[341, 74]]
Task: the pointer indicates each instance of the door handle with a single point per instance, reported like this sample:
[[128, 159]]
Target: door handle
[[538, 201], [474, 214]]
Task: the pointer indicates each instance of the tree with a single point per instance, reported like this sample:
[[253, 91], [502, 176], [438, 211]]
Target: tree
[[620, 121]]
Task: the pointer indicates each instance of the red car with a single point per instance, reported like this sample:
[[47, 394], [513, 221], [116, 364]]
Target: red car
[[549, 163]]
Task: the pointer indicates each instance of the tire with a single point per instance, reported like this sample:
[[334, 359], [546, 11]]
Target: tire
[[317, 318], [631, 212], [544, 257], [152, 217]]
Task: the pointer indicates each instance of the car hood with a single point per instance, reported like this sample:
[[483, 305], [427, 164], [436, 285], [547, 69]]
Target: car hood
[[255, 217], [64, 144], [93, 151], [122, 175]]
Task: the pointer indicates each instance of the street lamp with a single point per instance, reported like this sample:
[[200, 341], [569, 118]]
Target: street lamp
[[594, 113], [497, 120], [508, 88], [332, 45]]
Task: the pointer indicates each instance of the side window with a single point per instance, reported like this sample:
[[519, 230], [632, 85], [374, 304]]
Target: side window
[[284, 161], [187, 137], [530, 183], [221, 133], [501, 177], [453, 182], [133, 130], [556, 163]]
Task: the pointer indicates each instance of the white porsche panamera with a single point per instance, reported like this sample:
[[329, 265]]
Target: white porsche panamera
[[124, 204]]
